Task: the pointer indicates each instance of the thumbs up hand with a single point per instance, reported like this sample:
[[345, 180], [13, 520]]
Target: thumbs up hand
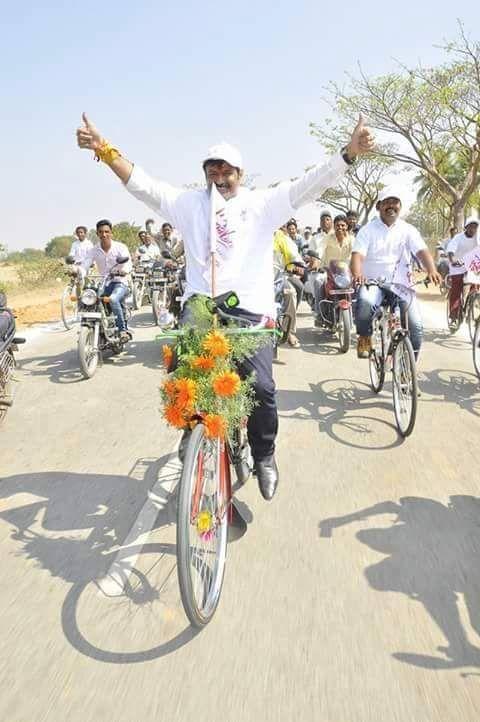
[[88, 136], [362, 140]]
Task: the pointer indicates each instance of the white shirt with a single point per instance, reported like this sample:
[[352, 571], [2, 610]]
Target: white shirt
[[80, 250], [317, 242], [106, 261], [150, 253], [460, 245], [245, 227], [383, 247]]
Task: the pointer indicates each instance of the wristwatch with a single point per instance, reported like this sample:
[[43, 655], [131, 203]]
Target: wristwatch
[[346, 157]]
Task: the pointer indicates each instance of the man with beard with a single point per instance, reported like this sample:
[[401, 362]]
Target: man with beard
[[379, 248]]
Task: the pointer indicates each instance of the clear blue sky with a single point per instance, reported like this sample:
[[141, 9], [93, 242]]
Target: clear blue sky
[[164, 80]]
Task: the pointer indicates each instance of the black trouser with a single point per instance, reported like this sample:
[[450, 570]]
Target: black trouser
[[263, 422]]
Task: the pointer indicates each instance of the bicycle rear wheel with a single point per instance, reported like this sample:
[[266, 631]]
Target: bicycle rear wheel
[[202, 521], [376, 360], [405, 386], [476, 348]]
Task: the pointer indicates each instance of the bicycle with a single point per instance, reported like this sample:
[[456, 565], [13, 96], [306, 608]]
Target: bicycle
[[469, 309], [69, 302], [206, 491], [391, 346]]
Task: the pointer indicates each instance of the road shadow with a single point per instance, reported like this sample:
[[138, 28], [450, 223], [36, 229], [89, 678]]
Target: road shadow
[[453, 386], [318, 341], [432, 553], [442, 337], [142, 319], [73, 529], [63, 368], [347, 411]]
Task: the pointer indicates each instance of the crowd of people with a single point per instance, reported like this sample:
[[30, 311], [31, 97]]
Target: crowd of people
[[249, 223]]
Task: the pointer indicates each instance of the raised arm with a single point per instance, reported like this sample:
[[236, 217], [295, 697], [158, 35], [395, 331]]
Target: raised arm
[[90, 138], [315, 181]]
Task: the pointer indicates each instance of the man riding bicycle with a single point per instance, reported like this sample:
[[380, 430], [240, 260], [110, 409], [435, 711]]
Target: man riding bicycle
[[245, 227], [458, 247], [379, 248]]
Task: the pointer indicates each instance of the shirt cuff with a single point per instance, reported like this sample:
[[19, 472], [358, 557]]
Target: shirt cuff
[[137, 180]]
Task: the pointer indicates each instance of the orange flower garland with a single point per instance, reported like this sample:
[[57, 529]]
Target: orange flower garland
[[174, 416], [202, 363], [186, 391], [215, 426], [226, 384], [216, 344], [167, 356]]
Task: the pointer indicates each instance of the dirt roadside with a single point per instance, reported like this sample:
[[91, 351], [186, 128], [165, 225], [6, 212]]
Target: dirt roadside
[[39, 306]]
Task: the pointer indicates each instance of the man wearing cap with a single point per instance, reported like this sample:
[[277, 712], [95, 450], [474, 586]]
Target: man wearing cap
[[379, 248], [457, 248], [244, 250]]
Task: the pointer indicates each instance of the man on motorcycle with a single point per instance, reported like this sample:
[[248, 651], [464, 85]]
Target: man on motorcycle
[[105, 255], [285, 253], [379, 248], [81, 246], [337, 246], [148, 249], [244, 225]]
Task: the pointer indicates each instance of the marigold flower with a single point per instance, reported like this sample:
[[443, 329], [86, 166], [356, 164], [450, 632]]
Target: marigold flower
[[215, 426], [167, 355], [186, 392], [226, 384], [216, 344], [170, 387], [174, 416], [202, 363]]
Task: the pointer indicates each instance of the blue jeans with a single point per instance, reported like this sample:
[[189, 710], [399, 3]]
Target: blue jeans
[[117, 292], [370, 299]]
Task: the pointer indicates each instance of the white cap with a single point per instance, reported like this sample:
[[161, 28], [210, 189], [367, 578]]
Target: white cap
[[228, 153], [471, 220], [390, 192]]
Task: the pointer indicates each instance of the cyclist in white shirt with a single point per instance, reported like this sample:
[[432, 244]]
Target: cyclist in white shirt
[[80, 247], [458, 247], [245, 225], [378, 250]]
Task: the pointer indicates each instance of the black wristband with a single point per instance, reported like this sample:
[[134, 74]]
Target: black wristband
[[345, 156]]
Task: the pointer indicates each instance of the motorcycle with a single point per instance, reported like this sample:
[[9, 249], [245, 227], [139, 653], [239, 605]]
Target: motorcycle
[[98, 328], [8, 345], [167, 284], [141, 274], [443, 267], [335, 310]]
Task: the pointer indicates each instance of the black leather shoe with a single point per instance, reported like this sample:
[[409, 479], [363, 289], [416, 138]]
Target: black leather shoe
[[267, 475]]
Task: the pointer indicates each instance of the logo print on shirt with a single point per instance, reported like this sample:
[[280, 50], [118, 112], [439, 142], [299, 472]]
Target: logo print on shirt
[[224, 235]]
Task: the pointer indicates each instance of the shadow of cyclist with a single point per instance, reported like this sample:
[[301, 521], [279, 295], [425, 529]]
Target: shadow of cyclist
[[432, 553]]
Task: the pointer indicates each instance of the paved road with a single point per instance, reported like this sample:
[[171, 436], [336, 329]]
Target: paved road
[[353, 597]]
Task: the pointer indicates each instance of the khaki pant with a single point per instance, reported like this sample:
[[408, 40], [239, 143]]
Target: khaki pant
[[289, 322]]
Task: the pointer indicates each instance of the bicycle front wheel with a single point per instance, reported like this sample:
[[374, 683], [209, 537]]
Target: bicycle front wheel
[[473, 313], [405, 386], [202, 526], [476, 348], [69, 308]]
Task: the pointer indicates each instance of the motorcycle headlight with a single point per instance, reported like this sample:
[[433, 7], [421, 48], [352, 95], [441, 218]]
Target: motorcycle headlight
[[88, 297], [342, 280]]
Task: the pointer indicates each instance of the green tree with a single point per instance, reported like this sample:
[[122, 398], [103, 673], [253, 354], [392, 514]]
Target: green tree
[[58, 247], [426, 113], [127, 233]]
